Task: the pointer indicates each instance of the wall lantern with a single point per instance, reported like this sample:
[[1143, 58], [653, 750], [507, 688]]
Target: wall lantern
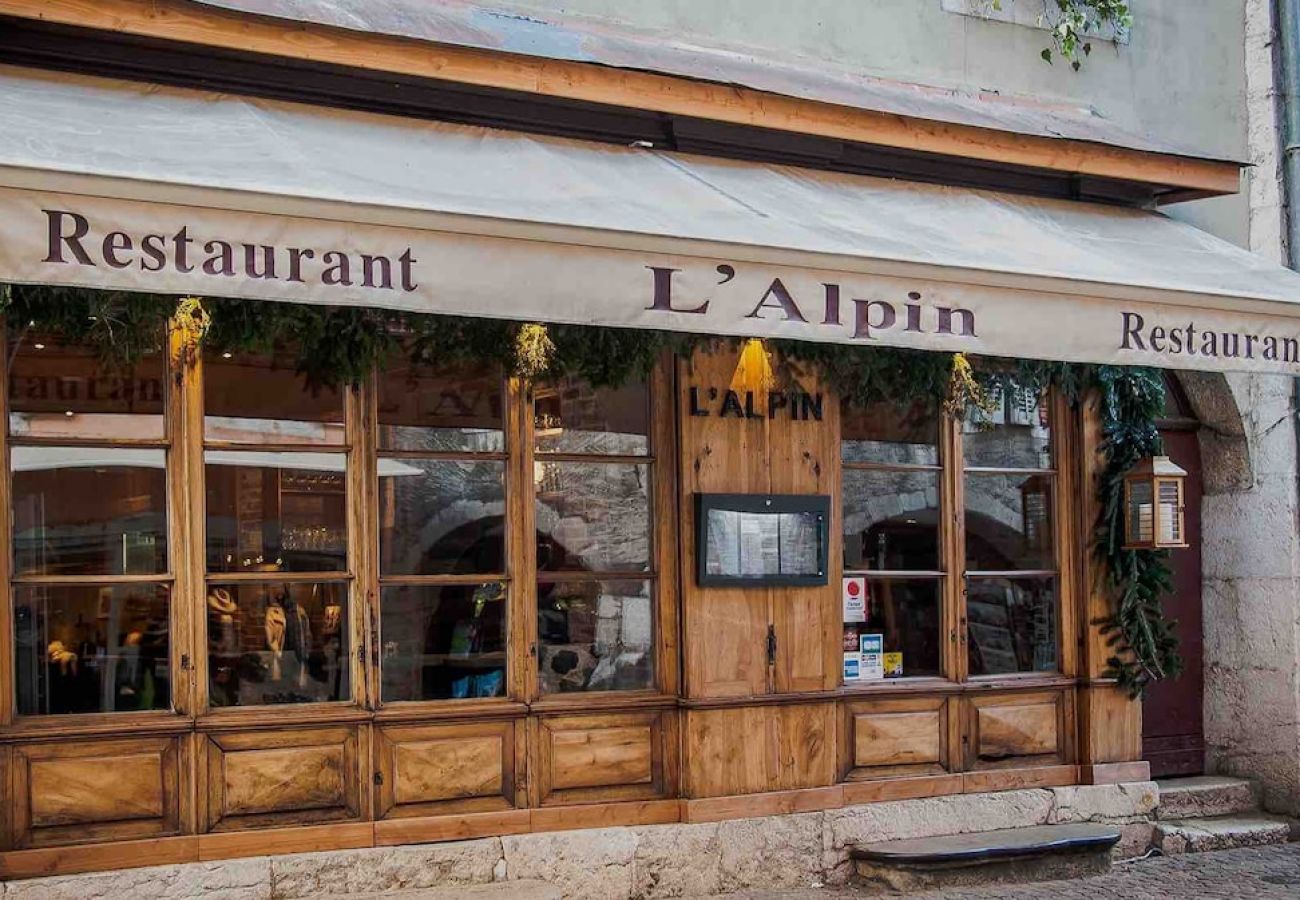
[[1153, 505]]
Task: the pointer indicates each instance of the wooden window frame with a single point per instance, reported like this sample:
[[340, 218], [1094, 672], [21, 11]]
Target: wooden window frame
[[179, 657], [191, 377], [953, 574]]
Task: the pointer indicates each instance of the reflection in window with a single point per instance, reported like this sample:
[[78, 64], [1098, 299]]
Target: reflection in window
[[277, 642], [271, 512], [454, 409], [89, 511], [1015, 435], [443, 642], [906, 614], [1012, 624], [890, 520], [1009, 523], [573, 417], [889, 433], [252, 399], [58, 391], [592, 516], [441, 516], [89, 648], [595, 636]]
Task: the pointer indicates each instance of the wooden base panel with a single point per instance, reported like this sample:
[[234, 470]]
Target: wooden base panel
[[913, 788], [98, 857], [1018, 779], [437, 829], [1115, 773], [276, 841], [606, 815], [776, 803], [356, 835]]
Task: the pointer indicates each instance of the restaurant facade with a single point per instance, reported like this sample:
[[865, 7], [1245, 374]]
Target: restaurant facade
[[483, 599]]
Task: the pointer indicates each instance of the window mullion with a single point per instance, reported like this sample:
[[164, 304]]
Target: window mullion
[[953, 549], [8, 689]]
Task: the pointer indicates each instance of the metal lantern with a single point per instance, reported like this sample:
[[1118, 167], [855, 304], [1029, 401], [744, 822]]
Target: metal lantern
[[1153, 505]]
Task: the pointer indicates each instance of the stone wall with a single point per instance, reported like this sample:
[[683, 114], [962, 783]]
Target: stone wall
[[1251, 552], [657, 861]]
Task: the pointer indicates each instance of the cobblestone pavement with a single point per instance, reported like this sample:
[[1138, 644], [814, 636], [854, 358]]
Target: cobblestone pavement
[[1249, 873]]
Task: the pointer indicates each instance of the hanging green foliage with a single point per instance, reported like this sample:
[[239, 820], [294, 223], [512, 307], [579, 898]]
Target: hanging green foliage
[[342, 345], [1144, 642]]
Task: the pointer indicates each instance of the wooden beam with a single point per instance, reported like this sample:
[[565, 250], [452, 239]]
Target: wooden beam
[[171, 20]]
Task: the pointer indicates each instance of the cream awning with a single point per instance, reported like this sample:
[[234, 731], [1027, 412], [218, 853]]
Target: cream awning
[[123, 185]]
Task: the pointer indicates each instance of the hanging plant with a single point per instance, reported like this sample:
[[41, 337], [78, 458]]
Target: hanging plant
[[341, 345]]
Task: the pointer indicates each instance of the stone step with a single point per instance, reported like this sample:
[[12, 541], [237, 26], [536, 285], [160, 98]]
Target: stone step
[[1037, 853], [1175, 836], [1204, 796]]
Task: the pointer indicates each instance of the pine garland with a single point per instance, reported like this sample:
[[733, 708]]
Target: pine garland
[[342, 345]]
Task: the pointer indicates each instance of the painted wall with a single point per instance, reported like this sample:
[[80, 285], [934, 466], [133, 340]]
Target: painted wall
[[1180, 77]]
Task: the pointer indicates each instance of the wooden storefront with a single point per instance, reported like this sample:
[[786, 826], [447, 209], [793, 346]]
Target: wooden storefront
[[250, 616]]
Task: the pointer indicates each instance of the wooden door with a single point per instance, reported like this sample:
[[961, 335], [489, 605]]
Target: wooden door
[[1173, 736], [724, 629]]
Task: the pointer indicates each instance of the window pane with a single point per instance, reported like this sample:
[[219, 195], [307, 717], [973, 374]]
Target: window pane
[[276, 512], [1009, 523], [443, 642], [891, 520], [457, 408], [906, 614], [58, 391], [573, 417], [592, 517], [595, 636], [890, 433], [253, 399], [277, 643], [89, 649], [438, 517], [1016, 435], [1012, 625], [89, 511]]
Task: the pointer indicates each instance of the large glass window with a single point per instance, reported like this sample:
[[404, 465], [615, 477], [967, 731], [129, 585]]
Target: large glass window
[[444, 585], [595, 579], [890, 509], [91, 585], [278, 610], [1011, 573]]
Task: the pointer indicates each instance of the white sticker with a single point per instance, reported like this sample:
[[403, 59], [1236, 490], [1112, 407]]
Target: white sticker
[[855, 599]]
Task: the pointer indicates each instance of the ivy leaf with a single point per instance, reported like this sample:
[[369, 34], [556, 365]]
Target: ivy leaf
[[1047, 55]]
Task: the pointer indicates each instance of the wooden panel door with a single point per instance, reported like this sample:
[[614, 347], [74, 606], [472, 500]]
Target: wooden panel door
[[724, 629], [68, 792], [803, 458], [1173, 729]]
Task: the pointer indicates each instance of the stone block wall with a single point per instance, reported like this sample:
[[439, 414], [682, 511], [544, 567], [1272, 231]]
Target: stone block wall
[[641, 863], [1251, 513]]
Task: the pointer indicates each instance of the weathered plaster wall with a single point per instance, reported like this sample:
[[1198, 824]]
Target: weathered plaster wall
[[1251, 551], [1181, 76]]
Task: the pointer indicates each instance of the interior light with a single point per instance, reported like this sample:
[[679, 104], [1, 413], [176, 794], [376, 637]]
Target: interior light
[[69, 413], [39, 346], [227, 355]]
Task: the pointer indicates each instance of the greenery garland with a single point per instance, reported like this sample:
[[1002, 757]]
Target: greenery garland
[[341, 345]]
